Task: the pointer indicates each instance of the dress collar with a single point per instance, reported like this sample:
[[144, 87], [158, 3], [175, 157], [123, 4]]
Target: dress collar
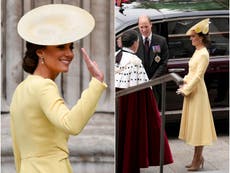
[[125, 49]]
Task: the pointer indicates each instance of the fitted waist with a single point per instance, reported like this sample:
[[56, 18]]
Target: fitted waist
[[57, 154]]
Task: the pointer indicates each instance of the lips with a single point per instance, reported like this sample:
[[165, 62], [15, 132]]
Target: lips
[[66, 61]]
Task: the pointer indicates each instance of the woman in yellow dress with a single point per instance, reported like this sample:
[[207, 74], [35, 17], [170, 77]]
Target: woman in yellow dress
[[41, 123], [197, 126]]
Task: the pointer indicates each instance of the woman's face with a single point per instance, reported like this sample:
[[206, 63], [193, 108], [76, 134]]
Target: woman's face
[[58, 58], [196, 39]]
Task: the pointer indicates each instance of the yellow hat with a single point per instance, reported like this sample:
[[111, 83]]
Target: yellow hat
[[55, 24], [202, 26]]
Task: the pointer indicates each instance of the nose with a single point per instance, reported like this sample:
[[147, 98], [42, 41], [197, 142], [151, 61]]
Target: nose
[[143, 29], [69, 52]]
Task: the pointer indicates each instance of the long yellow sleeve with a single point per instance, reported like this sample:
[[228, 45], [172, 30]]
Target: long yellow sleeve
[[197, 76], [71, 121], [41, 123]]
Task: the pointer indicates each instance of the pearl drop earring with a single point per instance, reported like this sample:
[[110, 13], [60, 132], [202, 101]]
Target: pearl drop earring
[[42, 60]]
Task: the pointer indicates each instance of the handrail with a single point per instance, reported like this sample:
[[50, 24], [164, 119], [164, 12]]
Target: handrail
[[152, 82]]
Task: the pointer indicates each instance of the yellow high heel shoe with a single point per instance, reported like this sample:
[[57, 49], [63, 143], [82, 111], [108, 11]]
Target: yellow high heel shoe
[[198, 165]]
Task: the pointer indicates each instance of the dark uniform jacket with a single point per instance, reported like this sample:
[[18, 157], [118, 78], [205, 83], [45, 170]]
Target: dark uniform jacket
[[158, 56]]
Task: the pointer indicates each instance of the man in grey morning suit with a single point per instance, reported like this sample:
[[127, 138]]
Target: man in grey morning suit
[[153, 51]]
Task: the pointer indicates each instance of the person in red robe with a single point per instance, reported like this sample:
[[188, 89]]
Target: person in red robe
[[139, 122]]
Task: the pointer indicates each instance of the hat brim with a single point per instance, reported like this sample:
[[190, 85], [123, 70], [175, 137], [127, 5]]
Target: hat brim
[[204, 24], [55, 24], [189, 32]]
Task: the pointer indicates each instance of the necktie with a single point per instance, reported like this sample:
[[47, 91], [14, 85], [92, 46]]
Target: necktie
[[146, 45], [146, 60]]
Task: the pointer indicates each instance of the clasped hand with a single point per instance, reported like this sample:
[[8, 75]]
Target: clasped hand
[[179, 90]]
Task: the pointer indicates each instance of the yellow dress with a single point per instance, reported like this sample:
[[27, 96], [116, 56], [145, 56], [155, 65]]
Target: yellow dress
[[41, 124], [197, 126]]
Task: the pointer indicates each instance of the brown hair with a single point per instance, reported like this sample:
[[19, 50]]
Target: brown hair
[[206, 38], [30, 61]]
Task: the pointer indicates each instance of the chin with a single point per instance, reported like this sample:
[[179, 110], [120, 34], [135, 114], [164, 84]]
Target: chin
[[64, 70]]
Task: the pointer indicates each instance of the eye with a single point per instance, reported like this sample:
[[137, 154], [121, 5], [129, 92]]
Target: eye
[[71, 47], [61, 46]]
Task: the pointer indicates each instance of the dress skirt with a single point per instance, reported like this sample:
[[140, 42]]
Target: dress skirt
[[197, 125], [139, 133]]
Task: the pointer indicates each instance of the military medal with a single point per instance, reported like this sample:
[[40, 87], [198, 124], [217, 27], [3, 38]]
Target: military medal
[[157, 58], [156, 50]]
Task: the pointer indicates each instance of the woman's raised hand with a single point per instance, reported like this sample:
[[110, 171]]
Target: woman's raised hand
[[92, 66]]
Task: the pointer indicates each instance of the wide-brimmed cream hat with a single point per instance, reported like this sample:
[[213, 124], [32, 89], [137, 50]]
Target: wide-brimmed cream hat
[[202, 26], [55, 24]]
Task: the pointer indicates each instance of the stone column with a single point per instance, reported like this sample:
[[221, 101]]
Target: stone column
[[102, 47], [13, 50]]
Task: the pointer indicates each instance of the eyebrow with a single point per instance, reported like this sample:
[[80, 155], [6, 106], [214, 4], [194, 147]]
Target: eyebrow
[[65, 44]]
